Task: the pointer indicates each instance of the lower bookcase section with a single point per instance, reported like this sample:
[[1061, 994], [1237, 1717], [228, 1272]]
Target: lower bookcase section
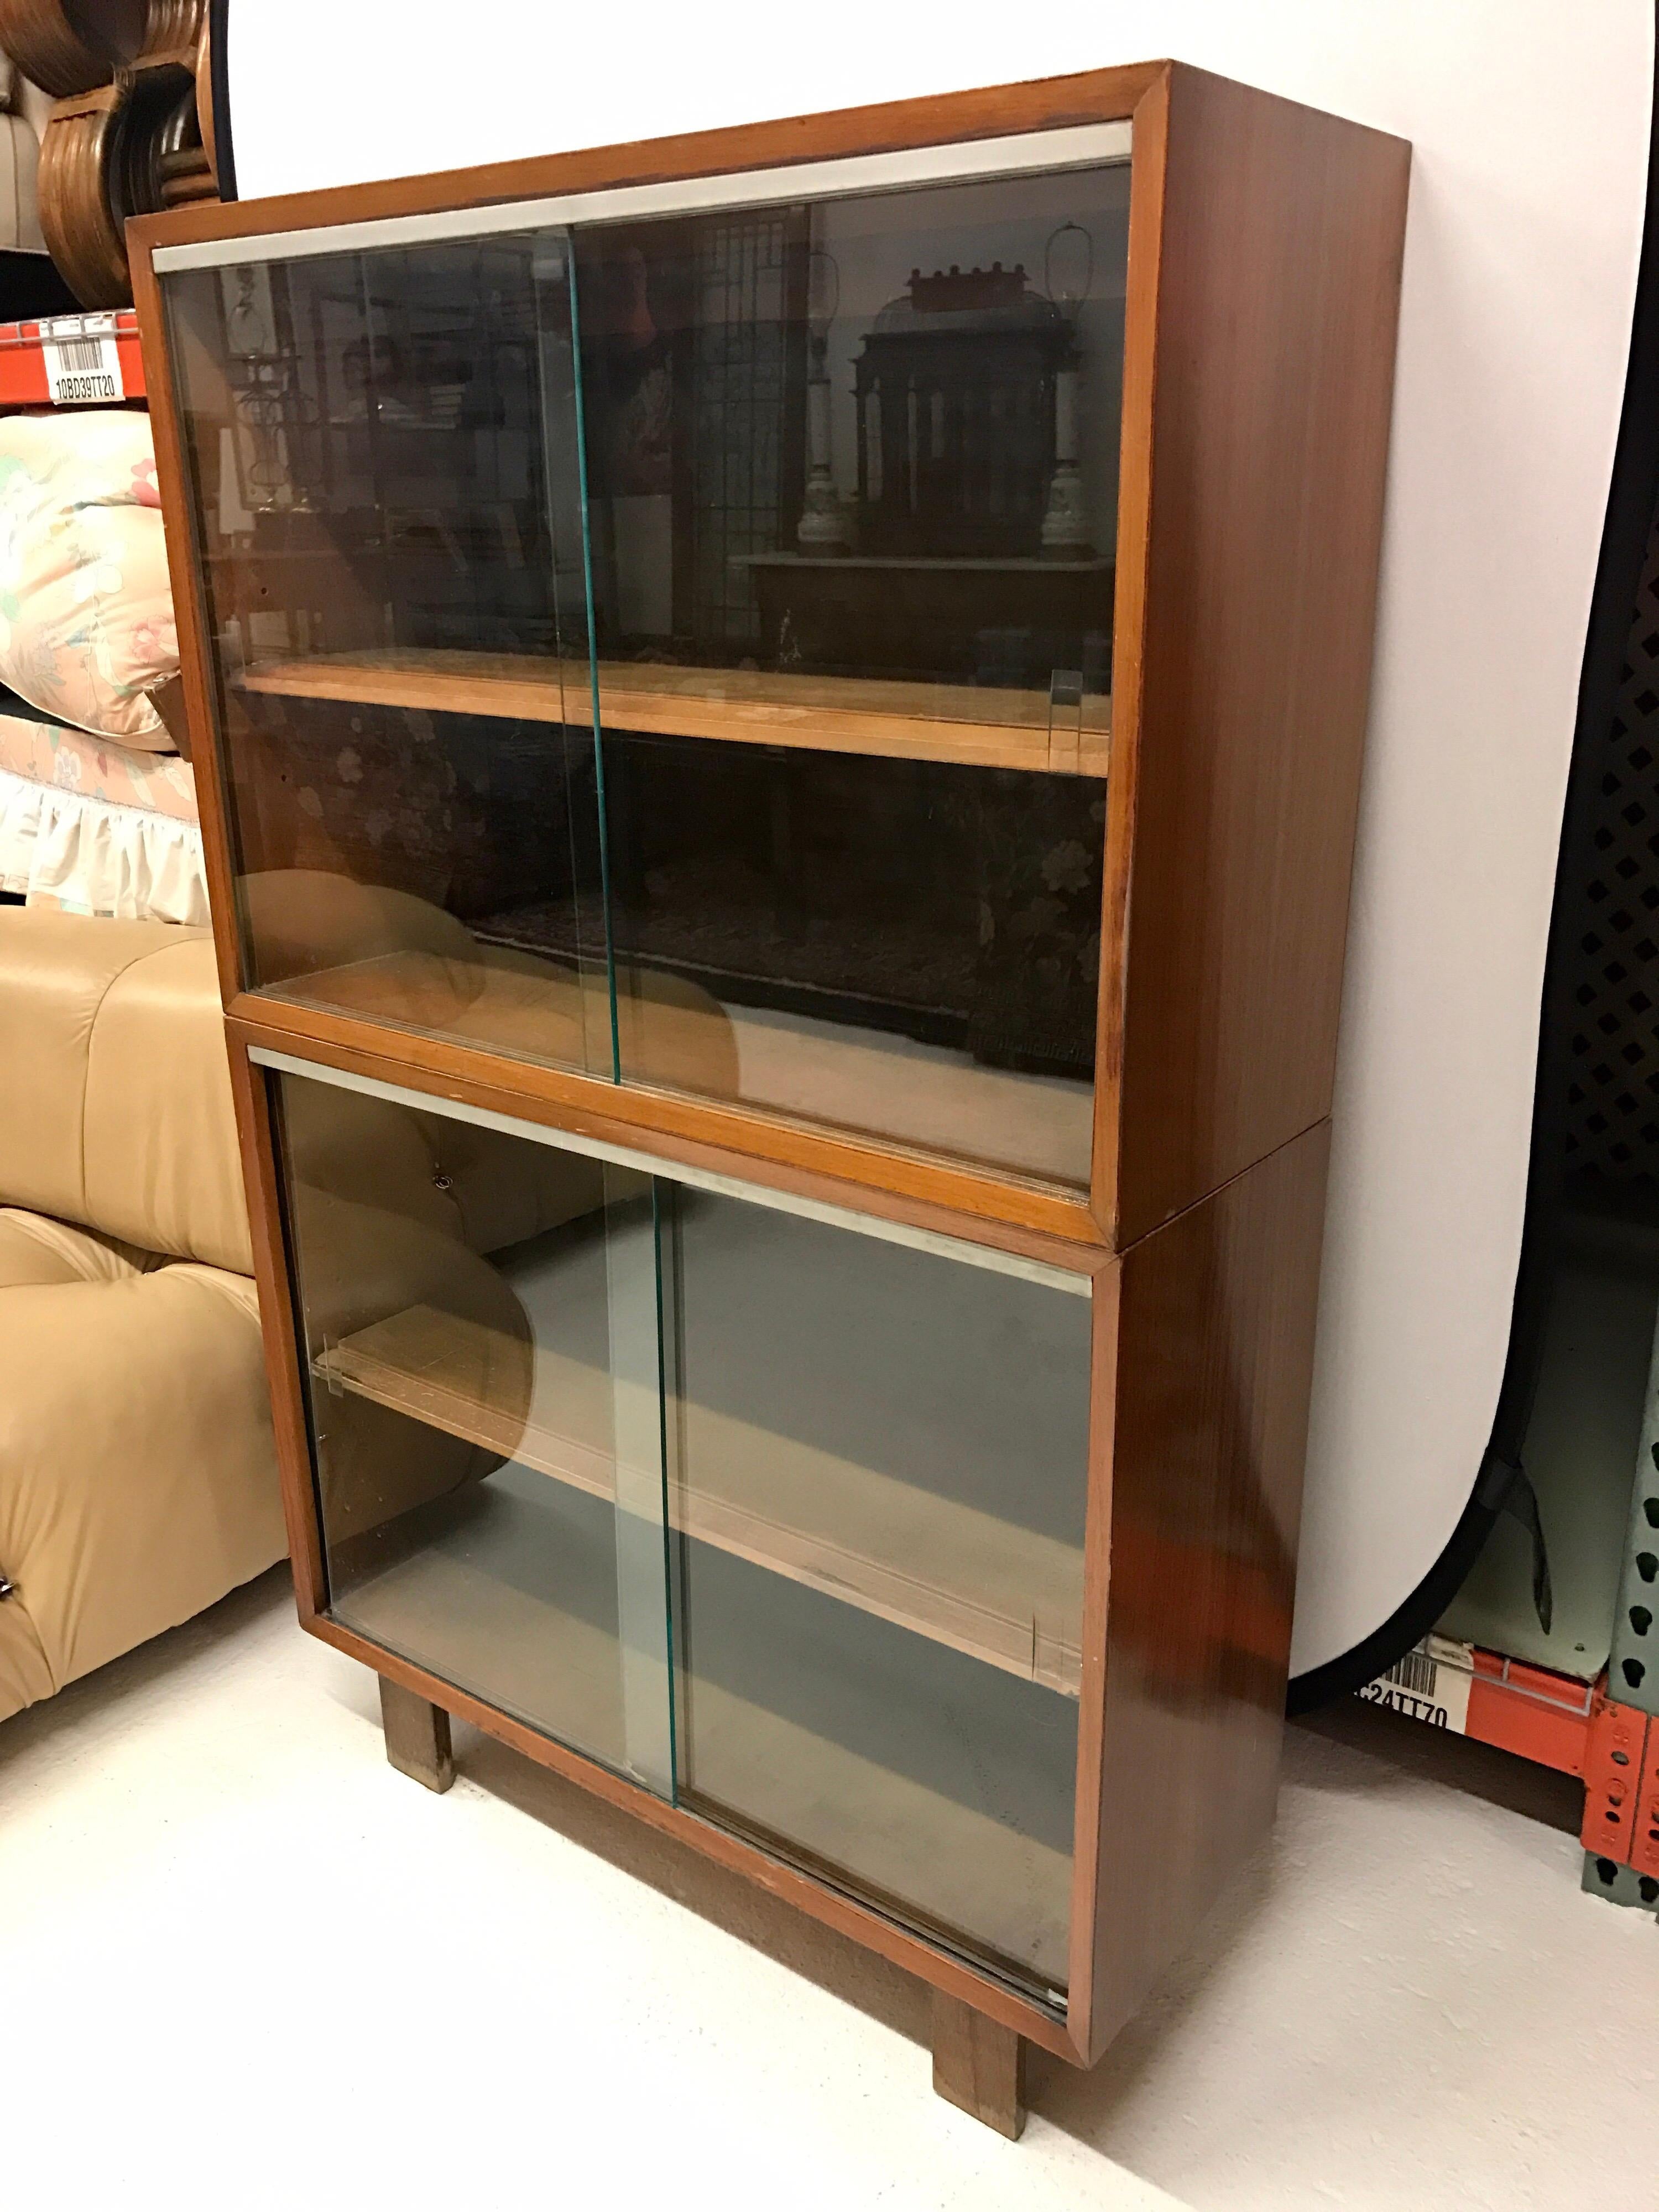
[[780, 1515]]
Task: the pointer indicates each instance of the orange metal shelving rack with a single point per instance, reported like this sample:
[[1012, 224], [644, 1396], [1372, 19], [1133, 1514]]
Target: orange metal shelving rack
[[1555, 1720]]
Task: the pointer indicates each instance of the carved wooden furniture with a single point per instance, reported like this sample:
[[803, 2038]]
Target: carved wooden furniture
[[65, 48], [124, 139], [788, 1168]]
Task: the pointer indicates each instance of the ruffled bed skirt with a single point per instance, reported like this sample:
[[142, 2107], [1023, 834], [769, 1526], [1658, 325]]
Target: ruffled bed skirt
[[89, 855]]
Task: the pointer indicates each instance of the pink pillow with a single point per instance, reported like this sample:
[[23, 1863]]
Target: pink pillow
[[85, 608]]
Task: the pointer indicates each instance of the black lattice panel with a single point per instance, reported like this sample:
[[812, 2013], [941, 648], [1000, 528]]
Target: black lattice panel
[[1612, 1096]]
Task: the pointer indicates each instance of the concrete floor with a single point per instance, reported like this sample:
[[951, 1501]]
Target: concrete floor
[[243, 1964]]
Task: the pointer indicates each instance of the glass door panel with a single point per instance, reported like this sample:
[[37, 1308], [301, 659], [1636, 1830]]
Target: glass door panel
[[878, 1472], [782, 1515], [477, 1313], [905, 949], [833, 486], [383, 449], [852, 512]]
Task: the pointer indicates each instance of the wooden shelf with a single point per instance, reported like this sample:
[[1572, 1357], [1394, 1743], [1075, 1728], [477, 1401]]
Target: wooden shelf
[[941, 1106], [979, 728], [999, 1593]]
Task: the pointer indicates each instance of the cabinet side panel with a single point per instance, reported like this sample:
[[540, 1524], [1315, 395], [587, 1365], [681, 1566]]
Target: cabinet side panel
[[1214, 1361], [1278, 297]]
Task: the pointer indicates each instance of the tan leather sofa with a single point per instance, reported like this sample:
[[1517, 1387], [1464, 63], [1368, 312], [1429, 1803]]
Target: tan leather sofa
[[138, 1471]]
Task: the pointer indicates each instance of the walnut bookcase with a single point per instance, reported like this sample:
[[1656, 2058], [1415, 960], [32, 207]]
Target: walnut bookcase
[[780, 828]]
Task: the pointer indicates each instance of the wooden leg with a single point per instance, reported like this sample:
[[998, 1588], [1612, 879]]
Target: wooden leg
[[979, 2064], [416, 1737]]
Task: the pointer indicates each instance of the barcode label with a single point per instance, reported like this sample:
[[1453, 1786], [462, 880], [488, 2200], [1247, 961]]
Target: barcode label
[[1416, 1671], [1429, 1683], [83, 368]]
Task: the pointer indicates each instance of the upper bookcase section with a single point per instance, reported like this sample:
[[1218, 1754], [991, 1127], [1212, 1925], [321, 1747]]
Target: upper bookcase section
[[852, 632], [668, 633]]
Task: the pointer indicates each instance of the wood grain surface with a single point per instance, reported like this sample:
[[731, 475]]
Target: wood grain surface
[[1109, 95], [979, 2065], [1264, 281], [77, 148], [204, 69], [840, 1169], [67, 48], [173, 26], [982, 728], [417, 1736], [284, 1363], [1213, 1367], [123, 149]]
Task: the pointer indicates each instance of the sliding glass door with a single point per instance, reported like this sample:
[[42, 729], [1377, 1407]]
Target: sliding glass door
[[678, 647], [778, 1511]]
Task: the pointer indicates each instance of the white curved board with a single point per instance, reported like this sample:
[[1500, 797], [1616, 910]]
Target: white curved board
[[1529, 122]]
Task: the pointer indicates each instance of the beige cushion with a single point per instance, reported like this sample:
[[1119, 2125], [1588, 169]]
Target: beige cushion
[[35, 1250], [381, 1234], [137, 1468], [55, 971], [116, 1111], [388, 956], [301, 920], [163, 1166], [137, 1481]]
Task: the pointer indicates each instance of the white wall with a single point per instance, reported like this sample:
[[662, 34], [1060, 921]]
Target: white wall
[[1529, 119]]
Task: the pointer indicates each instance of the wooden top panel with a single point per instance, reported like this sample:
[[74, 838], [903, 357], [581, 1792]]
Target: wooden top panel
[[906, 721], [1045, 104]]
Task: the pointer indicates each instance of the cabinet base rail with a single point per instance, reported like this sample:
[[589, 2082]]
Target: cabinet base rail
[[979, 2065]]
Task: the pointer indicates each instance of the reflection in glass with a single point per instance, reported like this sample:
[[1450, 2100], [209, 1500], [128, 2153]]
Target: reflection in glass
[[878, 1462], [837, 482], [570, 1420], [851, 466], [384, 449], [824, 441], [907, 947], [479, 1329]]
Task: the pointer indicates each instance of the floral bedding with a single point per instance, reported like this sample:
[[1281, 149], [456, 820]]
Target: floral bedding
[[96, 828], [86, 607]]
